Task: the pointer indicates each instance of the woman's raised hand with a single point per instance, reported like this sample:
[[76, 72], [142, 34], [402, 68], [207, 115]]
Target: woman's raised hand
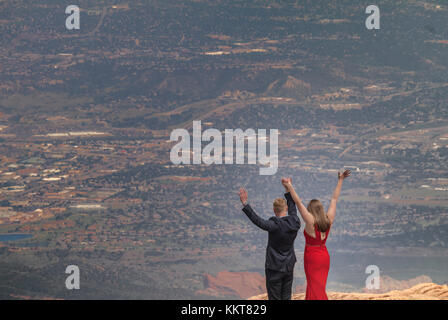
[[345, 174], [287, 183]]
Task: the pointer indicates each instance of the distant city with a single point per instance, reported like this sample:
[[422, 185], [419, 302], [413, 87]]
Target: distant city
[[86, 117]]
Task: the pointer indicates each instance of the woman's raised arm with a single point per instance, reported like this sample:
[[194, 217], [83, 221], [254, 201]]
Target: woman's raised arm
[[306, 215], [331, 213]]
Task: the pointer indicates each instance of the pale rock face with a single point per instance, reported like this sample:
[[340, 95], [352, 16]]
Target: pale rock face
[[422, 291]]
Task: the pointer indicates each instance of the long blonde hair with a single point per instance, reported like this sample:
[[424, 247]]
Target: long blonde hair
[[321, 220]]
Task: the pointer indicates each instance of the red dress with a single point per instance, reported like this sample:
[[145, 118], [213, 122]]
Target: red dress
[[316, 261]]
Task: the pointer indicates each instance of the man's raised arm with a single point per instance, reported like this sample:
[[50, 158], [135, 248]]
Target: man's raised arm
[[292, 209], [267, 225]]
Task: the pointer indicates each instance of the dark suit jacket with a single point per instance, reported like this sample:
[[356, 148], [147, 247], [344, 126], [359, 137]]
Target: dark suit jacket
[[280, 255]]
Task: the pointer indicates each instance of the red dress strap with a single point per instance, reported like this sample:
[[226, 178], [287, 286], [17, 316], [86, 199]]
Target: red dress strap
[[317, 233]]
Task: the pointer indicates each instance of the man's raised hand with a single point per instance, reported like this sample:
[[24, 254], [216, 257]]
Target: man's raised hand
[[243, 196]]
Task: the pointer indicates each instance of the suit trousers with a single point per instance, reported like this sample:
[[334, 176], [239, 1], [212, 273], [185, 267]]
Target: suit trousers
[[279, 284]]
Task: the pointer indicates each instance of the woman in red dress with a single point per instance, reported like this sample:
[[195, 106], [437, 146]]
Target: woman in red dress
[[316, 259]]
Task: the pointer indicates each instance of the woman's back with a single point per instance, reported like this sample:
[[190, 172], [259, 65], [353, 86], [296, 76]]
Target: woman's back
[[316, 238]]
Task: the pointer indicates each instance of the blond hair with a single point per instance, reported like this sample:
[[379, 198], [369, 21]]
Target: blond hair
[[321, 220], [279, 205]]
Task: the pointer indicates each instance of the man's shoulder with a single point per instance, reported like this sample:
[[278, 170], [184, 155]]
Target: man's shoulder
[[285, 218], [292, 220]]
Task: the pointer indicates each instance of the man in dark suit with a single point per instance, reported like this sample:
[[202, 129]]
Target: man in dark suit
[[280, 255]]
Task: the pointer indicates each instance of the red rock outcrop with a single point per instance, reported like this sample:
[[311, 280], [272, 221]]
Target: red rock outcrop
[[234, 284]]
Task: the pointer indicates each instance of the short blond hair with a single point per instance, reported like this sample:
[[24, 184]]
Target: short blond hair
[[279, 205]]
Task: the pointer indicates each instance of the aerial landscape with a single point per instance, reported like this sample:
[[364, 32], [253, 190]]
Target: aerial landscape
[[86, 116]]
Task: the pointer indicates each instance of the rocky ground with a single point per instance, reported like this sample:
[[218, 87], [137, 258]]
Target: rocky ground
[[422, 291]]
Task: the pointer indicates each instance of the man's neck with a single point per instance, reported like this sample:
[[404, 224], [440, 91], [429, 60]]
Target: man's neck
[[281, 215]]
